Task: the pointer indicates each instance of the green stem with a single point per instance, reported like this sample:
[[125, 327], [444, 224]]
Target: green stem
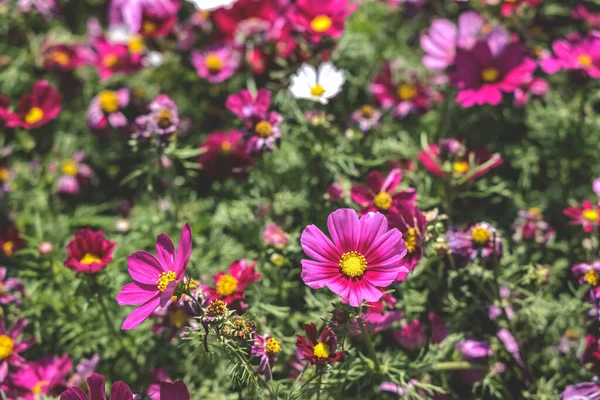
[[452, 366], [369, 342], [319, 386]]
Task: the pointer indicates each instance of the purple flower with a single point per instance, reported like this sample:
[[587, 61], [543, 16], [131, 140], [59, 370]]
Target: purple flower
[[9, 288], [366, 118], [481, 239], [266, 348], [164, 116], [511, 345], [474, 350], [581, 391], [105, 109], [530, 226], [11, 346], [74, 174], [84, 370], [217, 63]]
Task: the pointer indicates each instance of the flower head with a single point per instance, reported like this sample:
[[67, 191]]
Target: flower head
[[37, 108], [530, 226], [155, 279], [481, 239], [224, 155], [96, 390], [10, 241], [318, 86], [266, 348], [411, 335], [152, 18], [319, 349], [587, 215], [10, 289], [575, 53], [411, 222], [316, 19], [581, 391], [164, 116], [75, 172], [230, 287], [45, 376], [363, 256], [105, 110], [217, 63], [366, 117], [89, 252], [380, 194], [63, 57], [113, 58], [11, 345], [275, 236]]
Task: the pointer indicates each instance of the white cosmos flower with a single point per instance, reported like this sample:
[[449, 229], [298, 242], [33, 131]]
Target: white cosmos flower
[[210, 5], [317, 86]]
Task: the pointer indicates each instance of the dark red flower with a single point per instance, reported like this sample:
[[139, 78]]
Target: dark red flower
[[592, 353], [227, 20], [230, 287], [63, 57], [319, 349], [89, 252], [225, 155], [10, 241], [411, 222], [37, 108]]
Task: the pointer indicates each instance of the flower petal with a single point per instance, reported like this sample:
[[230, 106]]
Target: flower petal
[[317, 275], [165, 250], [140, 314], [134, 294], [318, 246], [344, 228], [184, 250], [372, 226], [144, 267]]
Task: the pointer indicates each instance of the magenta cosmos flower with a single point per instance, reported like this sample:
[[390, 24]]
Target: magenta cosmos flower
[[575, 53], [106, 109], [152, 18], [113, 58], [316, 19], [217, 63], [586, 215], [224, 155], [230, 287], [11, 346], [363, 256], [163, 119], [155, 279], [411, 222], [582, 13], [46, 376], [37, 108], [89, 252], [411, 335], [266, 349], [380, 193], [488, 70], [588, 274], [10, 288], [229, 22]]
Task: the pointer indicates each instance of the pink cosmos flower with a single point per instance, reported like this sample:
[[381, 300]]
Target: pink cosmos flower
[[485, 72], [586, 215], [155, 279], [9, 289], [164, 116], [106, 109], [224, 155], [275, 236], [404, 96], [89, 252], [588, 274], [380, 193], [480, 240], [45, 376], [230, 287], [575, 53], [582, 13], [11, 346], [266, 349], [152, 18], [534, 86], [366, 118], [530, 226], [363, 256], [74, 174], [112, 58], [37, 108], [411, 335], [217, 63], [316, 19], [411, 222]]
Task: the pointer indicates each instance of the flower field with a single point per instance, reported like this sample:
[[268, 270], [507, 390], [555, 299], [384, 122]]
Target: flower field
[[299, 199]]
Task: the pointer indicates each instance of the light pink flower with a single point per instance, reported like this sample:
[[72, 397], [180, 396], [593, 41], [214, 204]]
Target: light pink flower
[[216, 64], [275, 236], [106, 109]]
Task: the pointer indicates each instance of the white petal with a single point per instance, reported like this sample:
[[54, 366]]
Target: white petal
[[209, 5]]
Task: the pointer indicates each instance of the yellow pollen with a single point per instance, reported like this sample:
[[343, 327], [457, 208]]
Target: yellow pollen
[[460, 166], [148, 27], [264, 129], [536, 213], [165, 118], [4, 174], [585, 60], [366, 111], [111, 61], [164, 279], [406, 92], [216, 308], [322, 350], [90, 258], [35, 114], [490, 75], [136, 45], [227, 285], [7, 248], [226, 148], [37, 389], [320, 23], [203, 14], [109, 101], [410, 239], [353, 264], [481, 235], [592, 277], [214, 63], [69, 167], [590, 215], [61, 58], [383, 201], [177, 318], [272, 346], [571, 334], [6, 347], [317, 91]]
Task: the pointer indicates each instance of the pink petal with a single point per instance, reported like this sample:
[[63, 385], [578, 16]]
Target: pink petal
[[384, 276], [362, 290], [387, 246], [120, 391], [392, 180], [184, 250], [360, 195], [165, 296], [174, 391], [140, 314], [134, 294], [317, 275], [165, 250], [318, 246], [96, 389], [344, 229], [73, 393], [144, 267], [372, 225]]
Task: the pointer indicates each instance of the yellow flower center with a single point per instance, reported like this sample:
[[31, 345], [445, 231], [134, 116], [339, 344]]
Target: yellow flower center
[[592, 277], [216, 308], [109, 101], [383, 201], [35, 114], [317, 91], [7, 248], [69, 167], [177, 318], [410, 239], [61, 58], [264, 129], [590, 215], [37, 389], [366, 111], [481, 235], [164, 279], [148, 27], [6, 347], [585, 60], [4, 174], [226, 148], [536, 213], [111, 61], [227, 285], [320, 23], [90, 258], [490, 75], [272, 346], [214, 63], [353, 264], [136, 45], [322, 350], [165, 118], [460, 166], [407, 92]]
